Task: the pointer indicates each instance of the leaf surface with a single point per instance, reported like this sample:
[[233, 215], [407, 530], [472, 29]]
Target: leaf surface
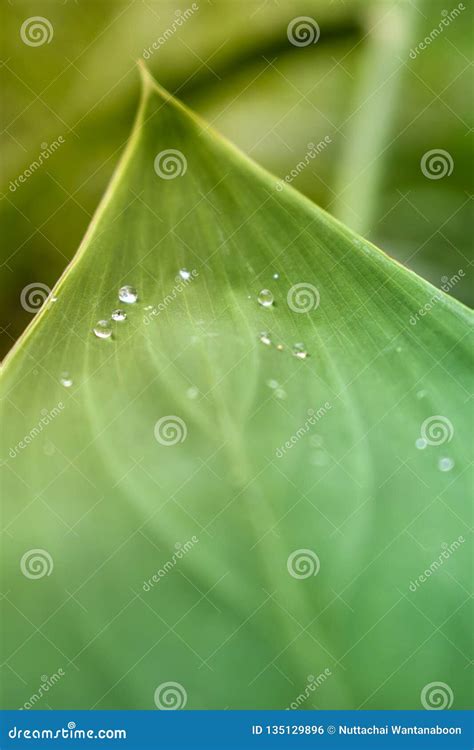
[[212, 510]]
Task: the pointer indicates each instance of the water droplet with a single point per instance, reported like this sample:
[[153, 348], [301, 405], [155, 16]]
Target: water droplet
[[280, 347], [102, 329], [128, 294], [148, 307], [276, 275], [273, 384], [53, 299], [445, 464], [265, 298], [119, 315], [65, 380], [185, 274], [265, 338], [299, 350], [280, 393], [192, 392], [421, 443], [421, 394]]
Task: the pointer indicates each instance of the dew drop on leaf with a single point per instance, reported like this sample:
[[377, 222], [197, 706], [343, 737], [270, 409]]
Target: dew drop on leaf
[[119, 315], [273, 384], [265, 298], [265, 338], [299, 350], [128, 294], [445, 464], [102, 329], [65, 380]]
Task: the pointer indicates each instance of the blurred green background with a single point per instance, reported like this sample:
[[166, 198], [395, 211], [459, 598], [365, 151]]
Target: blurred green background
[[380, 107]]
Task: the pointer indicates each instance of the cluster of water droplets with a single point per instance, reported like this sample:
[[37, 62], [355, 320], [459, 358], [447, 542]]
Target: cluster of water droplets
[[103, 328], [266, 299], [445, 463]]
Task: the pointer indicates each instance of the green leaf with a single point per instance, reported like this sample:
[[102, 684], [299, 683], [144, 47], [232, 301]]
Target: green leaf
[[267, 455]]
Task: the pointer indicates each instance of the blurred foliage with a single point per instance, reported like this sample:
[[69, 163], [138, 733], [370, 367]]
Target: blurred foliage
[[232, 62]]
